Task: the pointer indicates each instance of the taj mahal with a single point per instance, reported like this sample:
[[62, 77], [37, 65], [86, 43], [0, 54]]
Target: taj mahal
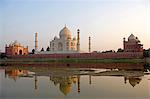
[[65, 43]]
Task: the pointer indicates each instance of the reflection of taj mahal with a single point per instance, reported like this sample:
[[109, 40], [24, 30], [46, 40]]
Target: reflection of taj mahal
[[66, 83]]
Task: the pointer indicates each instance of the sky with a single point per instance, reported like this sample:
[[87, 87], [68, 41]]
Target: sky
[[106, 21]]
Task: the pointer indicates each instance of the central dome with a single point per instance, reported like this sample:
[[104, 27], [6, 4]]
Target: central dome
[[65, 33], [133, 38], [15, 43]]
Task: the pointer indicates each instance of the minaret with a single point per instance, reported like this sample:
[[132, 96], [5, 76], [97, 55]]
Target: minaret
[[90, 79], [36, 41], [124, 40], [78, 77], [89, 44], [125, 80], [35, 82], [78, 40]]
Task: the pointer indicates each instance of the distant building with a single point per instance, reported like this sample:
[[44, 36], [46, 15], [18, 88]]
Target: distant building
[[16, 48], [133, 44]]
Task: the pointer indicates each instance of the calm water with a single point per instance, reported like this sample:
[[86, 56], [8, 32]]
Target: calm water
[[39, 82]]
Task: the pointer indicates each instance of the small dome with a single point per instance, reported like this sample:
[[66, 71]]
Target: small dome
[[137, 39], [11, 44], [65, 33], [55, 38]]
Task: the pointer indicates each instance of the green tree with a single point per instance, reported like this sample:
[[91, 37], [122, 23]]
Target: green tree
[[48, 49], [42, 49], [33, 51], [3, 55], [120, 50], [146, 53]]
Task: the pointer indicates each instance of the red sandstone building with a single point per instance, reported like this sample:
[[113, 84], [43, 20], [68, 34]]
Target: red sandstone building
[[133, 44], [16, 48]]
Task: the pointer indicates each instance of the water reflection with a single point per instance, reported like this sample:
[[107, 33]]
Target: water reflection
[[133, 80], [65, 83], [69, 79], [16, 73]]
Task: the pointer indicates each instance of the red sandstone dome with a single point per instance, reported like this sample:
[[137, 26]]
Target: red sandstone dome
[[15, 43], [133, 38]]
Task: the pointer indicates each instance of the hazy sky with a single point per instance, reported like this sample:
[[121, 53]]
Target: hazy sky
[[106, 21]]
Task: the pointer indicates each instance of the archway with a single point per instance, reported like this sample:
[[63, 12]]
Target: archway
[[20, 52], [60, 46]]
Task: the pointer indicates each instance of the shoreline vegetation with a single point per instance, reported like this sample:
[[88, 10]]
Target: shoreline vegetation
[[71, 60]]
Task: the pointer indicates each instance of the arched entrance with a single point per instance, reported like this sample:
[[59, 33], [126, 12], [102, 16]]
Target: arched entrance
[[60, 46], [20, 52]]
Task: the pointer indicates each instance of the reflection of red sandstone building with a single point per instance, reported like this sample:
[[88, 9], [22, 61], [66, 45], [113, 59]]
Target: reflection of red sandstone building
[[132, 45], [16, 73], [133, 80], [16, 48]]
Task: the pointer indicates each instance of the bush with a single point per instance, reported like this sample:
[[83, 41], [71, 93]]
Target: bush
[[146, 53], [3, 55]]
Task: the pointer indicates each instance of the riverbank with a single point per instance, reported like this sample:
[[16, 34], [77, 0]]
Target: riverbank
[[71, 60]]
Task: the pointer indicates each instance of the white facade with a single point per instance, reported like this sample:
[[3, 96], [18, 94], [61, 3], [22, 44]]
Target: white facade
[[64, 43]]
